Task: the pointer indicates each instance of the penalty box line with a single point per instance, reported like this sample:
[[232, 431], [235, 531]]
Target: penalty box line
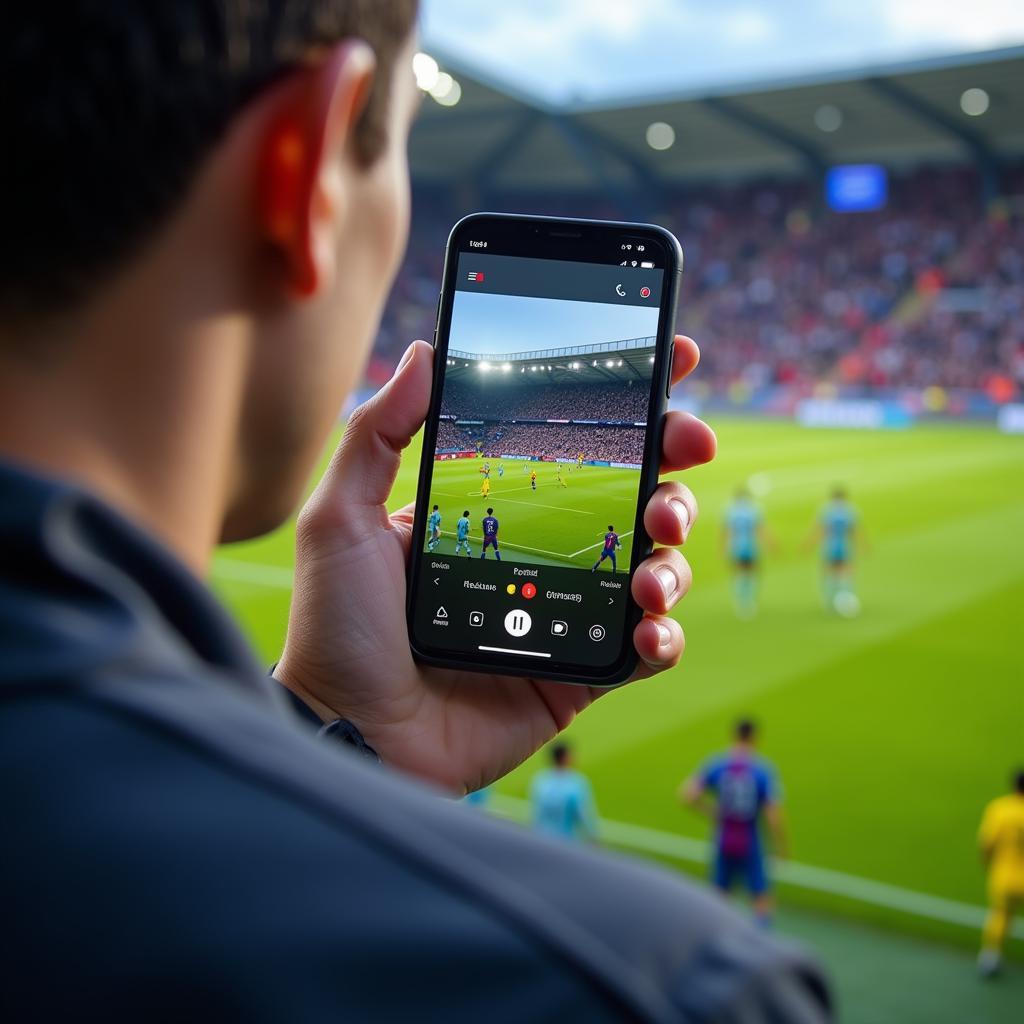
[[600, 543], [509, 544]]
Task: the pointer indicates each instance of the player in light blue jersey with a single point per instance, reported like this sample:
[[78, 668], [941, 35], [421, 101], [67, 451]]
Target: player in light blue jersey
[[501, 470], [462, 533], [434, 529], [838, 533], [743, 534], [561, 802], [737, 790]]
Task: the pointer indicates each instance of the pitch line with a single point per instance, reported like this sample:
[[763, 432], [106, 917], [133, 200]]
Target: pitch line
[[253, 572], [803, 876], [600, 543], [539, 504], [517, 547]]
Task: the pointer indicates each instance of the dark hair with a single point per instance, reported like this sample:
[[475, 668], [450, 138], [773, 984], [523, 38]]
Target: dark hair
[[109, 109], [745, 729], [1018, 780], [435, 508], [610, 527], [560, 753], [466, 512], [839, 493], [490, 511]]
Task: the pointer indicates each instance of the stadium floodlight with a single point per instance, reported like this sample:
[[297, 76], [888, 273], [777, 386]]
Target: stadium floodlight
[[446, 90], [974, 102], [828, 118], [609, 362], [426, 71], [506, 367], [620, 362], [484, 366], [660, 135], [652, 359]]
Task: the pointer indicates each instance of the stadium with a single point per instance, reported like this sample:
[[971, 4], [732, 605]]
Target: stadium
[[857, 328]]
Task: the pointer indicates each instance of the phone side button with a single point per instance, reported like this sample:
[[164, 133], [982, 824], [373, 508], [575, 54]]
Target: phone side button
[[668, 378], [437, 318]]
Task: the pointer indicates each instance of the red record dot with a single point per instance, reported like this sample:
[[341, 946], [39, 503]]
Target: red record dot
[[528, 590]]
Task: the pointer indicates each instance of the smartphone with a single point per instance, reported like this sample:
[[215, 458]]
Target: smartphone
[[552, 369]]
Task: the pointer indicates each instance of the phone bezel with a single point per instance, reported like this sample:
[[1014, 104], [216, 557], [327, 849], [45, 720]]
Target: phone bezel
[[566, 235]]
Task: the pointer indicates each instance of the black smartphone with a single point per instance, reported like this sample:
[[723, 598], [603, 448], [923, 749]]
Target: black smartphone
[[552, 369]]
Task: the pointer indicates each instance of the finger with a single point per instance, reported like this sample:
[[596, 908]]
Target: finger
[[660, 643], [685, 357], [365, 464], [670, 514], [686, 442], [661, 581]]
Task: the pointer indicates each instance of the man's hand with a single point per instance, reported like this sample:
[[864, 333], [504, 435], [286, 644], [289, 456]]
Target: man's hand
[[347, 653]]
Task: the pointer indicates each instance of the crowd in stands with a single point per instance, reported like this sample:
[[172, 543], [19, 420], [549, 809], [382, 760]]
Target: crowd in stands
[[494, 399], [611, 444], [928, 291]]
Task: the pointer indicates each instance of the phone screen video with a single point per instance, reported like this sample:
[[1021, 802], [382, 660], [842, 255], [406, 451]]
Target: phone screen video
[[536, 474]]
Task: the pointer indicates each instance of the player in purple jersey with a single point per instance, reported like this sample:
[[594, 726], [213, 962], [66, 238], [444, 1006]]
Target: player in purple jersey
[[744, 790], [490, 528], [611, 545]]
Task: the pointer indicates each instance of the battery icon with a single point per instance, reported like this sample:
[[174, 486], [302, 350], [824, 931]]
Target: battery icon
[[647, 265]]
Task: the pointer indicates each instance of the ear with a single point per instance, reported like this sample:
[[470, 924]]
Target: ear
[[310, 135]]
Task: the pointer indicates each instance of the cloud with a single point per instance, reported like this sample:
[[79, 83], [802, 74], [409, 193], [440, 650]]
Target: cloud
[[600, 48]]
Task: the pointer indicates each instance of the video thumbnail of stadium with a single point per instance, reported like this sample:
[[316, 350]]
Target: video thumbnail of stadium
[[539, 450]]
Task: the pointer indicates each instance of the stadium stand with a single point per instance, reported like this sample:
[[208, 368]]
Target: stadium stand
[[781, 292]]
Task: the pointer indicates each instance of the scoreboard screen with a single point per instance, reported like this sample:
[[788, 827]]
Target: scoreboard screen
[[856, 188]]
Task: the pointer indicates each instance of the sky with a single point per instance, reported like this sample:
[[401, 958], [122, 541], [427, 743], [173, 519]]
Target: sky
[[502, 324], [563, 50]]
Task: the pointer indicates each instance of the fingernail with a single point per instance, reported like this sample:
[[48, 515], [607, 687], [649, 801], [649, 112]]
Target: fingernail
[[664, 635], [405, 358], [682, 514], [668, 579]]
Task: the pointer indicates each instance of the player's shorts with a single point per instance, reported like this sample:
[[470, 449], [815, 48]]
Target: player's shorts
[[745, 558], [606, 553], [750, 870], [836, 555], [488, 541], [462, 539]]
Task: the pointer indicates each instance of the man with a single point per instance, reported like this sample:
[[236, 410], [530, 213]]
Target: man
[[434, 528], [203, 213], [1001, 839], [611, 545], [533, 479], [485, 487], [462, 534], [558, 476], [561, 801], [742, 536], [838, 532], [490, 526], [501, 470], [744, 791]]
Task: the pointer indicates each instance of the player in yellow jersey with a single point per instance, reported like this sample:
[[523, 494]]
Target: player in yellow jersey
[[485, 487], [1001, 838]]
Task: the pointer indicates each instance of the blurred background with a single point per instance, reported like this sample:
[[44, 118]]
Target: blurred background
[[847, 182]]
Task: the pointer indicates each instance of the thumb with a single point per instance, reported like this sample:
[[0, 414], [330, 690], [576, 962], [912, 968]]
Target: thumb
[[365, 463]]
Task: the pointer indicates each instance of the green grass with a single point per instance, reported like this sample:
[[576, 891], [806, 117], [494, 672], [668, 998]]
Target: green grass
[[552, 525], [890, 731]]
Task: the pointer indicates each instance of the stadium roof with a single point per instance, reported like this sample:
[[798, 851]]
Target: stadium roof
[[607, 362], [499, 138]]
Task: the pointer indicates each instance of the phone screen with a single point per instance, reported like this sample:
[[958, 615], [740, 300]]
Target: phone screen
[[546, 399]]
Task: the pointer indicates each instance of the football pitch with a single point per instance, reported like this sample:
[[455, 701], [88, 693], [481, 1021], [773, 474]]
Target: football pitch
[[890, 731], [556, 524]]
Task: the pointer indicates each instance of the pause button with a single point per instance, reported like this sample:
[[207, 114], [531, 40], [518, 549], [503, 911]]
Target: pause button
[[518, 622]]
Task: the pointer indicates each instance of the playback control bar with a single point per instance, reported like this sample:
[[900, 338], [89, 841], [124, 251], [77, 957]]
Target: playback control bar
[[546, 613]]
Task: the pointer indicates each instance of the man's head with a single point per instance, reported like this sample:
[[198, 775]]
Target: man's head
[[435, 508], [839, 493], [745, 731], [465, 513], [490, 511], [611, 529], [1018, 781], [235, 169], [561, 755]]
